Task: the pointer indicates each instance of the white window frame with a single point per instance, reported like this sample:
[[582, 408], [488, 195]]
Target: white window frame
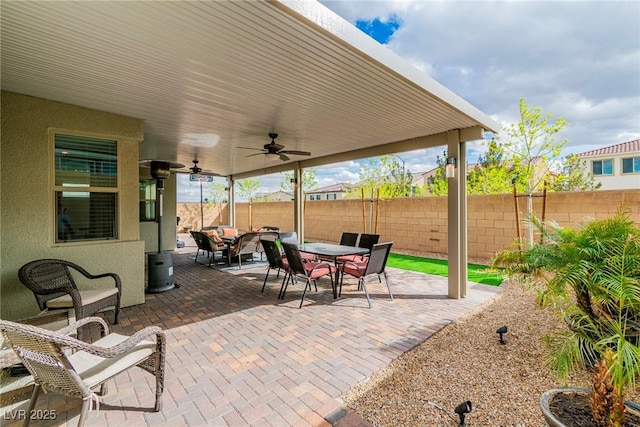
[[602, 167], [633, 161]]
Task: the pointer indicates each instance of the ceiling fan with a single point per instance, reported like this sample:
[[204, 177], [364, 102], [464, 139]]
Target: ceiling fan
[[275, 151], [197, 172]]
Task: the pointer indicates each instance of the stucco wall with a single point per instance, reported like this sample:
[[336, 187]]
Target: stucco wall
[[27, 215], [420, 223]]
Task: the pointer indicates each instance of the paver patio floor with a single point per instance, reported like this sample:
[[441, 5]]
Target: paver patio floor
[[238, 357]]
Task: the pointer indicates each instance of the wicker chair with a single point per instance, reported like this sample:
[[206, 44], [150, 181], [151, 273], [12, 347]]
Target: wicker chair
[[77, 373], [249, 244], [54, 287], [209, 243]]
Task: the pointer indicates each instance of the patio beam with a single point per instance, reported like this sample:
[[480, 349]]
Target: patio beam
[[440, 139]]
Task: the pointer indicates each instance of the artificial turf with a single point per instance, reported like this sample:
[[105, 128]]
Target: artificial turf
[[475, 273]]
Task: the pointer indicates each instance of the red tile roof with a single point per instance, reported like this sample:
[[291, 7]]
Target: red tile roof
[[342, 186], [625, 147]]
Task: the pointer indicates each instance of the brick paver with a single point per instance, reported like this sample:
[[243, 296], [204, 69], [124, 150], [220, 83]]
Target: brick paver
[[237, 357]]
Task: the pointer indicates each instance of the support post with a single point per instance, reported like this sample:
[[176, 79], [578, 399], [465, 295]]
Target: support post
[[232, 202], [298, 201], [455, 219]]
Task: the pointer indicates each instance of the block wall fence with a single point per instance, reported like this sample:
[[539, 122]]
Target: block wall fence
[[419, 224]]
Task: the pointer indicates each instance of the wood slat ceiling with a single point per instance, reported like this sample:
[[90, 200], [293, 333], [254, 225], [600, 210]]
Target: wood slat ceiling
[[235, 69]]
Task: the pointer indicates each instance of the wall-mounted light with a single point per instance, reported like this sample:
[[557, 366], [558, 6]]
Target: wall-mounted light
[[450, 168]]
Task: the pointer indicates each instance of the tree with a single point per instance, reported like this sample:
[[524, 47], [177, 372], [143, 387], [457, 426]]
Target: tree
[[217, 195], [572, 176], [438, 184], [248, 187], [532, 151], [309, 182], [385, 176], [491, 175]]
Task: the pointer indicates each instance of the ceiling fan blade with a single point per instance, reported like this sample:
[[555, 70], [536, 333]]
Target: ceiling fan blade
[[297, 153], [257, 154], [250, 148], [283, 157]]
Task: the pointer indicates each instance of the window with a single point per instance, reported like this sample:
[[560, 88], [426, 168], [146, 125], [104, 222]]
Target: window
[[148, 200], [631, 165], [86, 188], [602, 167], [331, 196]]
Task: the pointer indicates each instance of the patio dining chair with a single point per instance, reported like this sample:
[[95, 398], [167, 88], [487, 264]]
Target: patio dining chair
[[310, 271], [274, 257], [375, 263], [366, 241], [54, 287], [77, 373], [348, 239]]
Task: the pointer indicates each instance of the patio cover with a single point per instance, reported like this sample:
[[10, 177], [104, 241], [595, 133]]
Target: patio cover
[[208, 77]]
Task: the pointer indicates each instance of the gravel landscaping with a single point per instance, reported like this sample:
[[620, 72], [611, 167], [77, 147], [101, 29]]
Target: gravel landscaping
[[465, 361]]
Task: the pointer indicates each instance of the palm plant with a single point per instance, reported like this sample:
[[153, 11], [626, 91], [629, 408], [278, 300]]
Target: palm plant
[[592, 274]]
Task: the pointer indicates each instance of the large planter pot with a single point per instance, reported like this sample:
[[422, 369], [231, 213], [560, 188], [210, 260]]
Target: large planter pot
[[553, 421]]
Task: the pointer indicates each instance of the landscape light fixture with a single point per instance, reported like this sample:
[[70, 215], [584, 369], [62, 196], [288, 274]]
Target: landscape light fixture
[[450, 168], [501, 331], [463, 409]]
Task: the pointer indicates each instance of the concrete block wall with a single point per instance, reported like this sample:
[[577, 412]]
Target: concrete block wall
[[420, 223]]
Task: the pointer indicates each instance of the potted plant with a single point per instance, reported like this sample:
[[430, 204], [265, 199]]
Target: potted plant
[[592, 274]]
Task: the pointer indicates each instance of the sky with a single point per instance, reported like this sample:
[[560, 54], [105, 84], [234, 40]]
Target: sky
[[579, 60]]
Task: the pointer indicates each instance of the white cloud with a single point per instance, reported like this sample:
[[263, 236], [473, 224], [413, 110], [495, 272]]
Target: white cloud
[[577, 60]]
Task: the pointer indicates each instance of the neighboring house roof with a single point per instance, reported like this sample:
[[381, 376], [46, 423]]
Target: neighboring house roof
[[624, 147], [334, 188], [274, 196]]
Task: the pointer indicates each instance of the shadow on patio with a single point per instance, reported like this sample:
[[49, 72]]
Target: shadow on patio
[[239, 357]]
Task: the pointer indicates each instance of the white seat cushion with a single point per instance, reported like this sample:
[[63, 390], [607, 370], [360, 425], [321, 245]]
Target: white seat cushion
[[88, 297], [95, 369]]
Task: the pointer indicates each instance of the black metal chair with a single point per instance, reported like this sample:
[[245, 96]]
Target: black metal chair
[[349, 239], [375, 263], [366, 241], [310, 271], [274, 257]]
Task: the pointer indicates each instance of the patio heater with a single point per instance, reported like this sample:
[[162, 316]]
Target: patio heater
[[160, 264]]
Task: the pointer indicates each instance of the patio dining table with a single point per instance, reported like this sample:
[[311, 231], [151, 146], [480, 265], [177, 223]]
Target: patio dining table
[[334, 251]]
